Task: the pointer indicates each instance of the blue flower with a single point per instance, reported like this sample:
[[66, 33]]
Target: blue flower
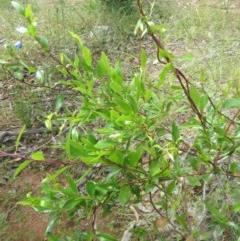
[[18, 45]]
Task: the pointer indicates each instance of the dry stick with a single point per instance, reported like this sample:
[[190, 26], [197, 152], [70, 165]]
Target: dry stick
[[179, 75]]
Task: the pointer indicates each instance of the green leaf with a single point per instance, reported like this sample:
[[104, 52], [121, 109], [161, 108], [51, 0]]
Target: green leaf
[[157, 28], [71, 204], [28, 13], [44, 43], [171, 186], [133, 104], [38, 156], [55, 175], [123, 106], [139, 26], [143, 60], [52, 222], [236, 207], [75, 134], [231, 103], [105, 144], [19, 137], [103, 66], [116, 156], [59, 102], [105, 237], [72, 184], [90, 188], [135, 156], [48, 121], [124, 195], [154, 168], [165, 54], [77, 39], [86, 54], [21, 167], [32, 30], [203, 103], [175, 132], [117, 88], [194, 94], [216, 214], [162, 76], [18, 7], [194, 181]]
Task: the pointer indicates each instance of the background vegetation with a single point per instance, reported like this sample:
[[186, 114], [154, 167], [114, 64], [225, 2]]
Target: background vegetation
[[143, 118]]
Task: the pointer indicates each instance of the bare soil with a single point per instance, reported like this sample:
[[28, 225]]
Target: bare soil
[[22, 223]]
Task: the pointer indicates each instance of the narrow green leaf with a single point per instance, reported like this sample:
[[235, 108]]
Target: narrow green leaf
[[116, 156], [124, 195], [143, 60], [203, 103], [32, 30], [72, 184], [123, 106], [21, 167], [90, 188], [52, 222], [139, 26], [18, 7], [105, 144], [154, 169], [133, 104], [194, 181], [194, 94], [19, 137], [171, 186], [105, 237], [231, 103], [216, 214], [236, 207], [103, 66], [77, 39], [38, 156], [175, 132], [86, 54], [55, 175], [162, 76], [165, 54], [117, 88], [135, 156], [71, 204], [28, 13], [44, 43], [59, 102]]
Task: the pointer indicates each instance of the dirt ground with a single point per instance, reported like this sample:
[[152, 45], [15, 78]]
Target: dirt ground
[[21, 223]]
